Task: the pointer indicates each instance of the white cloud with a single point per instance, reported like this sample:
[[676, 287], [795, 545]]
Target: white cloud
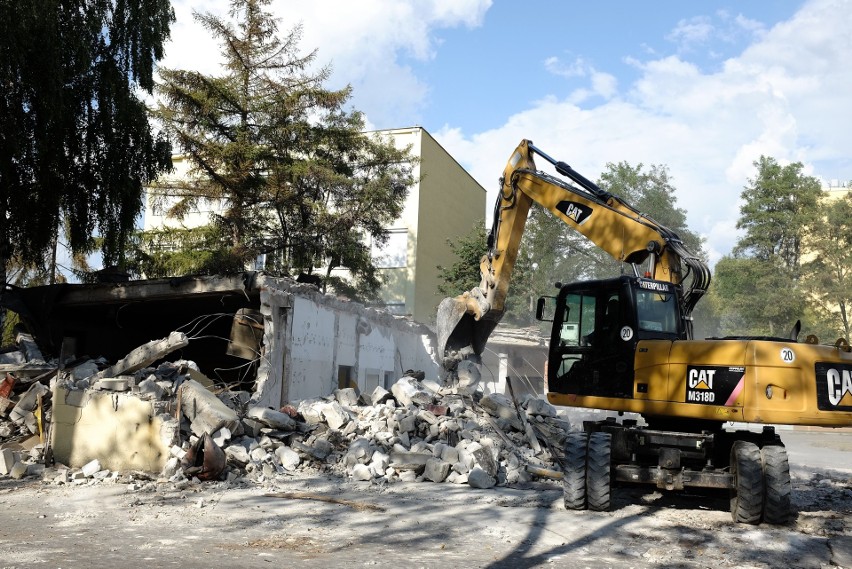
[[576, 68], [785, 96], [696, 30], [365, 42]]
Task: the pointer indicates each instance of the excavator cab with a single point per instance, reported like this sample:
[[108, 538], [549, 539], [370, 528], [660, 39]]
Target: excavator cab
[[596, 327]]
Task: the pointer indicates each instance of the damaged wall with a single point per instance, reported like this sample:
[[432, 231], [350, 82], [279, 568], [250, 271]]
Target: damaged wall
[[314, 344], [118, 429]]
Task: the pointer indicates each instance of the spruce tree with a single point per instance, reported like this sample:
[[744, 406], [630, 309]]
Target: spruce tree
[[293, 173]]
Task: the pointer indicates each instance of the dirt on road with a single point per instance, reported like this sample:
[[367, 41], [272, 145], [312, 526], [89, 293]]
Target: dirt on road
[[315, 520]]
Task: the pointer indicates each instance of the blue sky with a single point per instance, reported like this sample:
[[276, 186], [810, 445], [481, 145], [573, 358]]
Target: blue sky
[[703, 88]]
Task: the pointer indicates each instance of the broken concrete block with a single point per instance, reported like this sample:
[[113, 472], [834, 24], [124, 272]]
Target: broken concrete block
[[501, 407], [29, 347], [7, 460], [238, 454], [321, 449], [408, 390], [84, 370], [19, 470], [172, 467], [380, 461], [272, 418], [361, 472], [90, 468], [427, 416], [335, 415], [347, 397], [222, 436], [12, 358], [541, 408], [251, 428], [259, 454], [145, 355], [114, 384], [148, 389], [436, 470], [468, 375], [449, 454], [407, 460], [478, 478], [204, 410], [380, 395], [456, 478], [27, 403], [288, 457], [408, 424], [311, 411], [407, 476]]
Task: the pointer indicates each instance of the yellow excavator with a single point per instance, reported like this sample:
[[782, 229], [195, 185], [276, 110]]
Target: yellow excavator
[[625, 344]]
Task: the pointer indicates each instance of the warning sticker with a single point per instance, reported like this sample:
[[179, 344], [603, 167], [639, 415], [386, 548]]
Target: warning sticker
[[714, 385]]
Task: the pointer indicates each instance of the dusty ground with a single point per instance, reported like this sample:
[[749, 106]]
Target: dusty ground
[[423, 525]]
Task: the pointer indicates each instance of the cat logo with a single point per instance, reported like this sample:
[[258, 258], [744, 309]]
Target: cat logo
[[575, 211], [701, 378], [839, 386], [714, 385]]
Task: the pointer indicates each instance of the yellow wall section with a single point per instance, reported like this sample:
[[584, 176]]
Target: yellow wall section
[[119, 430]]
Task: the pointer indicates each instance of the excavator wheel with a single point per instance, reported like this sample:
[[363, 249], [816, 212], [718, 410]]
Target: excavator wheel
[[574, 471], [747, 489], [598, 471], [777, 485]]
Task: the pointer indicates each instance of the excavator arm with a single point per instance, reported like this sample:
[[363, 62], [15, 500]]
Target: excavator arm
[[465, 322]]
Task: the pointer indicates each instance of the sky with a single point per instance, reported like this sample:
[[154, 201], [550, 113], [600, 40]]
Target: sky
[[703, 88]]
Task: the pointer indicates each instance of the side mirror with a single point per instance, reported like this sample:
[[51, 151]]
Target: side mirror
[[545, 308]]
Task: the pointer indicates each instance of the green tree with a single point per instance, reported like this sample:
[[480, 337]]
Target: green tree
[[828, 275], [754, 297], [464, 274], [296, 175], [75, 143], [758, 290], [779, 206]]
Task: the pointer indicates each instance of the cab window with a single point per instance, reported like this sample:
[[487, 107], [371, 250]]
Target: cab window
[[656, 312]]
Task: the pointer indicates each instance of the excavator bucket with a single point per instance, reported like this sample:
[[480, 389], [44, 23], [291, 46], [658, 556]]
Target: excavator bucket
[[460, 333]]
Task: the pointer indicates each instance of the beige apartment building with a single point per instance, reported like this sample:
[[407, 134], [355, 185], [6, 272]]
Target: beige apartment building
[[443, 205]]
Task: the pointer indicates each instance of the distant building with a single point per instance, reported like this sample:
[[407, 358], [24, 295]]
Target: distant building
[[444, 204]]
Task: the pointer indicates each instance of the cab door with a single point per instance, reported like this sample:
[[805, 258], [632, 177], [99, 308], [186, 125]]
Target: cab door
[[592, 341]]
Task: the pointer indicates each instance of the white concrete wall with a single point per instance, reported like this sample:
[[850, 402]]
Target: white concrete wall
[[313, 370], [309, 336]]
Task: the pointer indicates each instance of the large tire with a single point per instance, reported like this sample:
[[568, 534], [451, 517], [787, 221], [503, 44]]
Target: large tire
[[777, 486], [747, 484], [574, 471], [598, 472]]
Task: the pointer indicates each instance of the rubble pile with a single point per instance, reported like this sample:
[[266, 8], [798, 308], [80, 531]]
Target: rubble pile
[[418, 431]]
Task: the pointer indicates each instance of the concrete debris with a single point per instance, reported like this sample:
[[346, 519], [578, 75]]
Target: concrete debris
[[206, 412], [415, 430], [145, 355]]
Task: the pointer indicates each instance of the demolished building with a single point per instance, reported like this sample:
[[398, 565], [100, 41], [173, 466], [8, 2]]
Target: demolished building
[[276, 338], [230, 353]]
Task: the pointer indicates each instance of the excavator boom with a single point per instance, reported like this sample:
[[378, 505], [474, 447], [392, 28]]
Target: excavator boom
[[465, 322]]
